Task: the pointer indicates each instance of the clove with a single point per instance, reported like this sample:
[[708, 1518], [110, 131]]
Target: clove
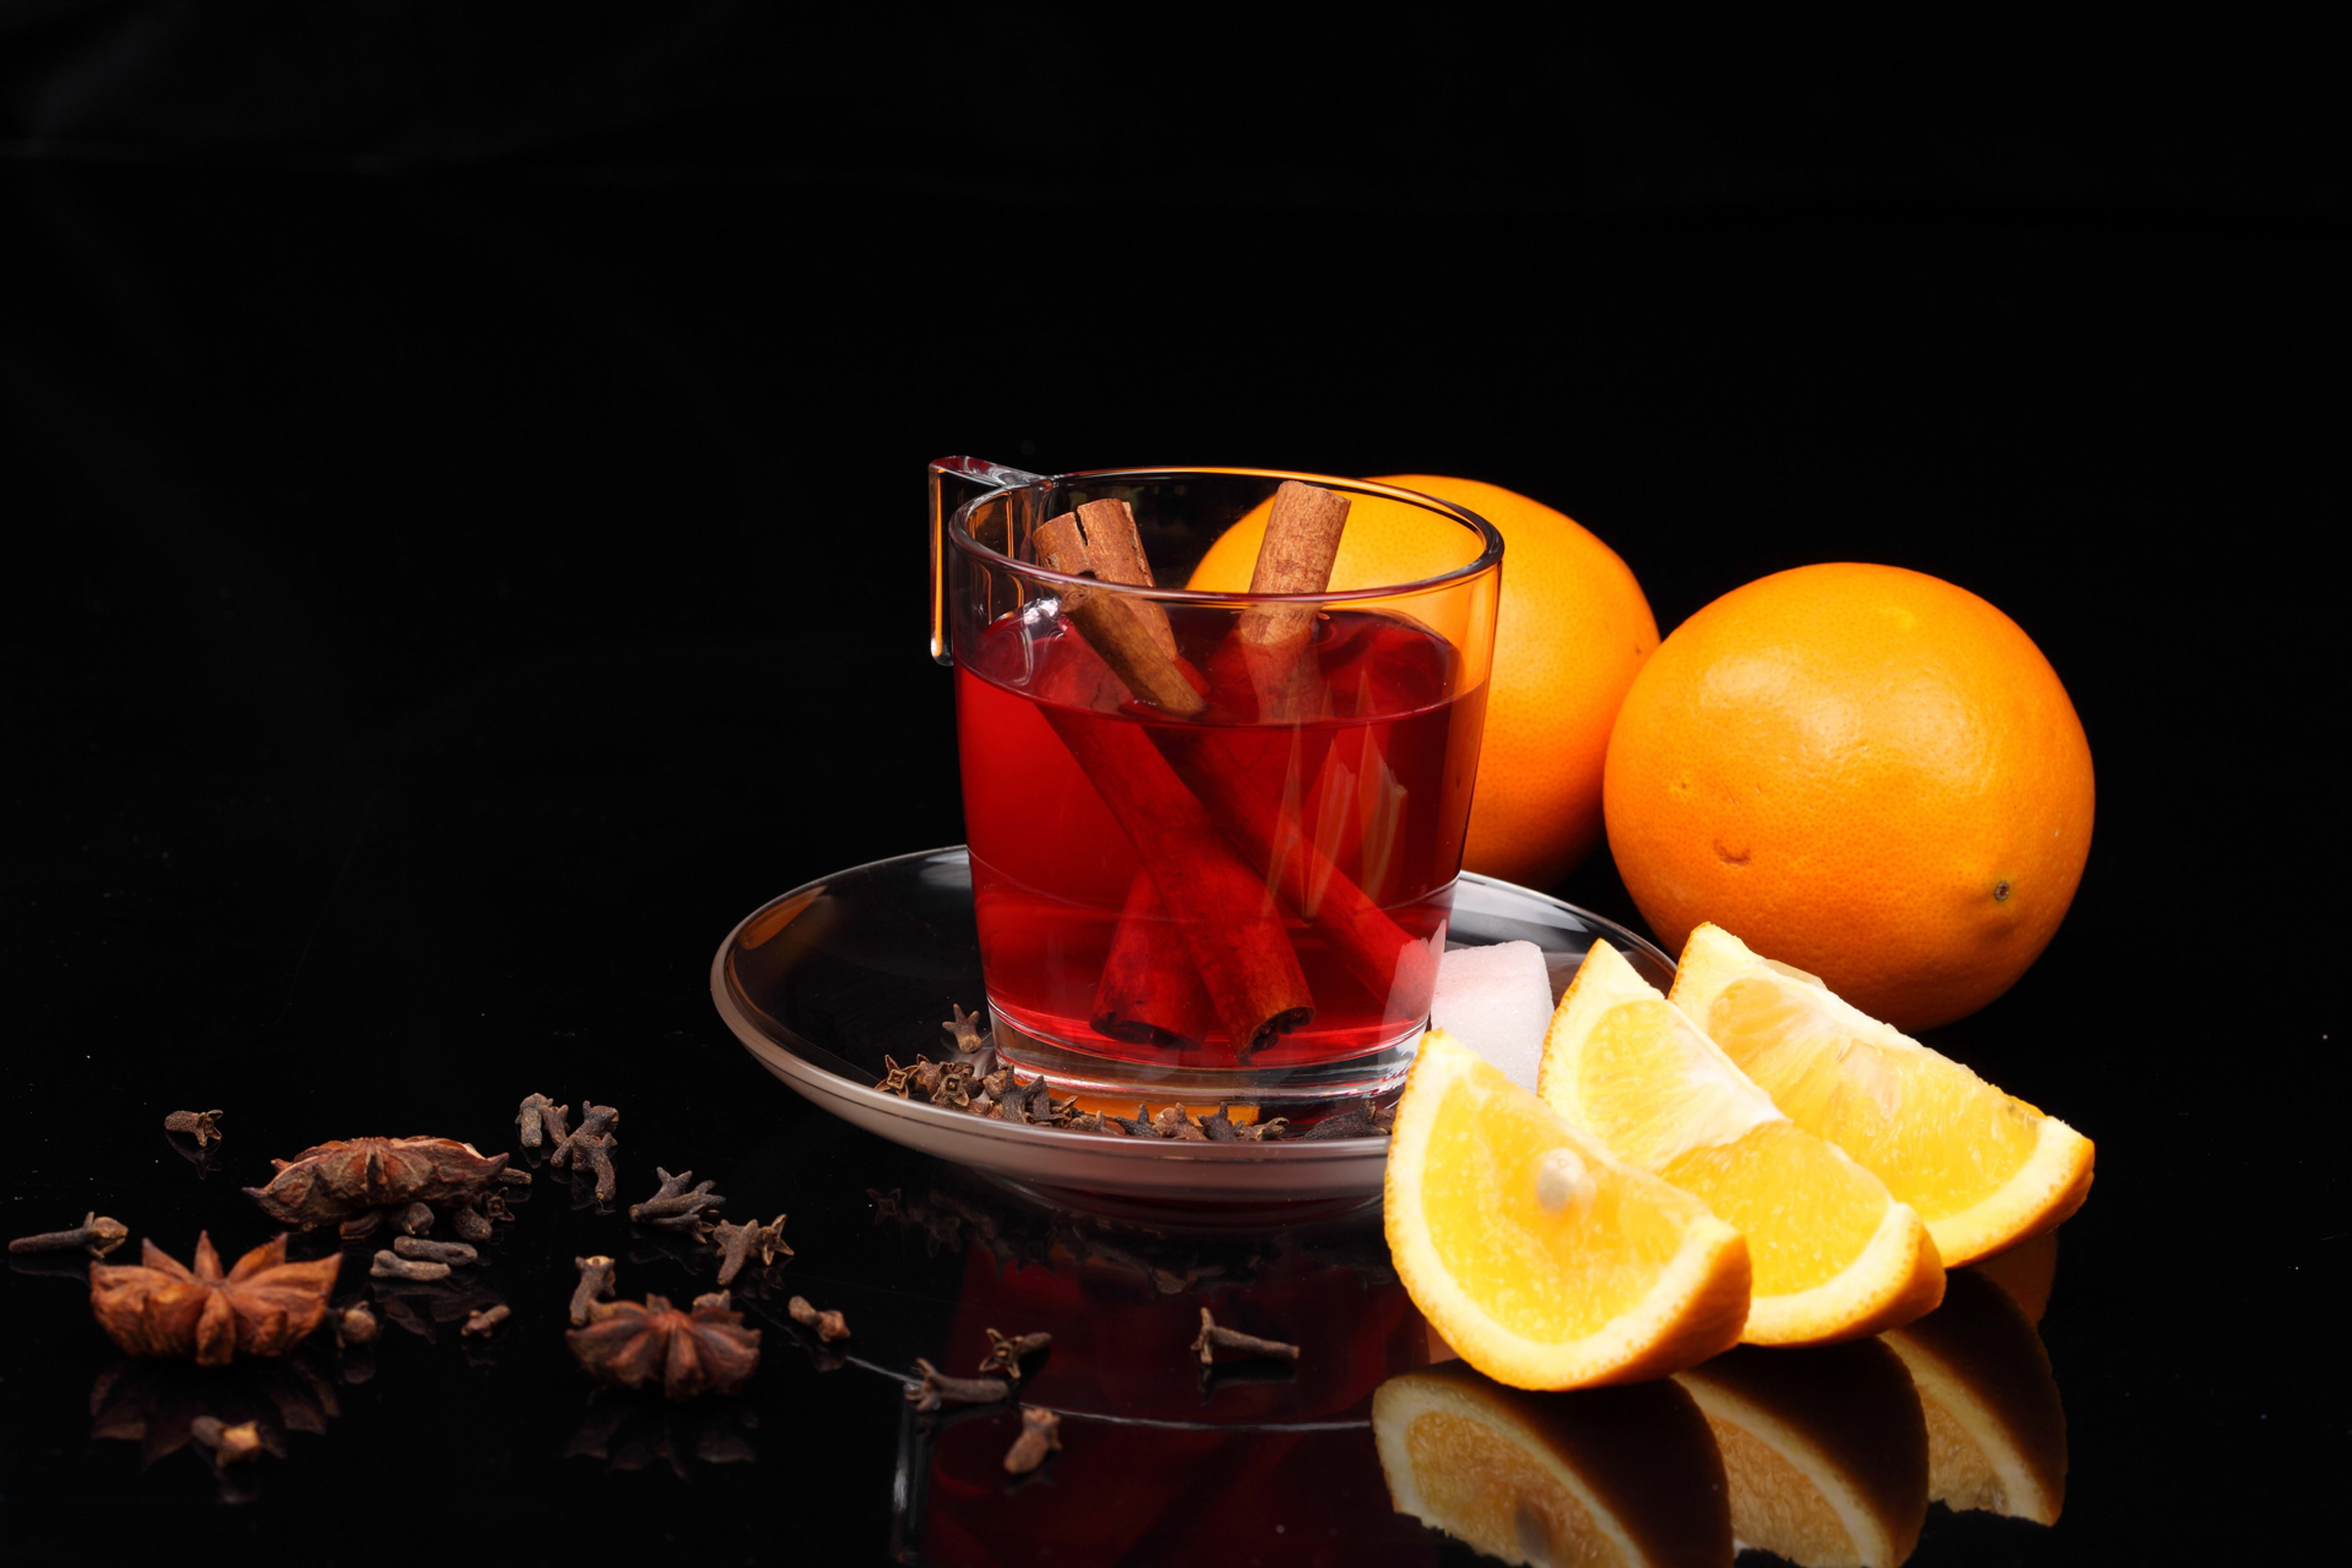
[[589, 1147], [1354, 1122], [720, 1300], [1171, 1123], [1005, 1351], [226, 1445], [514, 1178], [413, 1220], [203, 1126], [450, 1252], [595, 1283], [1220, 1129], [538, 1117], [971, 1035], [677, 1206], [937, 1388], [471, 1224], [392, 1266], [1212, 1339], [828, 1325], [356, 1325], [737, 1243], [480, 1324], [95, 1233], [1041, 1434]]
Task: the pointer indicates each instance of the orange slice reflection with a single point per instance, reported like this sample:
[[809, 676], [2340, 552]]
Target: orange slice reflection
[[1603, 1475], [1826, 1450], [1996, 1432]]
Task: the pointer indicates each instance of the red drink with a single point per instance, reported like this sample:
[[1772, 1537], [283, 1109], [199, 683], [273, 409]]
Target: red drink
[[1373, 795]]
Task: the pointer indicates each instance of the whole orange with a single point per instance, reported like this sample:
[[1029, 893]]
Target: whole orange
[[1864, 772], [1571, 630]]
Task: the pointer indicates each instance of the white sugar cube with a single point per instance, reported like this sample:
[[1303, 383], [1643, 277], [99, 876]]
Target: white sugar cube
[[1497, 1001]]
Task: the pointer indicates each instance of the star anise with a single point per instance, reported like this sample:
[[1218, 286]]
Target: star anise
[[634, 1345], [262, 1307], [334, 1180]]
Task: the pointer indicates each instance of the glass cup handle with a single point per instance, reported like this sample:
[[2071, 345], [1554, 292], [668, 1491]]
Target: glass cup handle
[[977, 474]]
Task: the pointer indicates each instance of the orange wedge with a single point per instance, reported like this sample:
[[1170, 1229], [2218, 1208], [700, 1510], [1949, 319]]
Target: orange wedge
[[1996, 1432], [1984, 1169], [1605, 1478], [1543, 1261], [1836, 1256], [1826, 1451]]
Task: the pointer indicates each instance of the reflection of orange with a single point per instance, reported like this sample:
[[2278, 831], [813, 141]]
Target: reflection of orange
[[1826, 1450], [1571, 630], [2027, 1271], [1625, 1477], [1996, 1432], [1867, 773]]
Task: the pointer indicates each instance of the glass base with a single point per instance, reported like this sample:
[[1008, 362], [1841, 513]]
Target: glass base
[[1072, 1069]]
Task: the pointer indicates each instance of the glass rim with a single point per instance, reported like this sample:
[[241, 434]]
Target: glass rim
[[1489, 558]]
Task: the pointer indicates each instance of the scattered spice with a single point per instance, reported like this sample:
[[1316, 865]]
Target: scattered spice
[[589, 1148], [510, 1177], [677, 1206], [634, 1345], [937, 1389], [1041, 1434], [1212, 1339], [1005, 1351], [356, 1325], [203, 1126], [454, 1252], [479, 1325], [471, 1224], [413, 1220], [359, 1227], [967, 1030], [1353, 1122], [262, 1307], [828, 1325], [539, 1119], [336, 1181], [95, 1233], [721, 1299], [739, 1242], [226, 1445], [595, 1284], [1171, 1123], [392, 1266]]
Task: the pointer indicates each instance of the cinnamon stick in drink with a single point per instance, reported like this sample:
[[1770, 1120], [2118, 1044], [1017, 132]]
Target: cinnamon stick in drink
[[1222, 913], [1301, 541]]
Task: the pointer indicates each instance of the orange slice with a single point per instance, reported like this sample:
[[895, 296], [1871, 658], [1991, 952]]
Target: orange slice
[[1826, 1451], [1996, 1432], [1605, 1478], [1543, 1260], [1984, 1169], [1834, 1256]]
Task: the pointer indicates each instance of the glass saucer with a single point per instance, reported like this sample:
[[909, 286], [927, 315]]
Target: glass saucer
[[822, 983]]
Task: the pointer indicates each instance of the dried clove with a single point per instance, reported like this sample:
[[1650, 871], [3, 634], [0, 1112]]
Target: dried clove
[[203, 1126], [471, 1224], [539, 1117], [937, 1389], [589, 1147], [336, 1181], [359, 1227], [413, 1220], [1171, 1123], [454, 1252], [1005, 1351], [1137, 1126], [677, 1206], [95, 1233], [1212, 1339], [1267, 1130], [737, 1243], [634, 1345], [1220, 1129], [595, 1283], [722, 1300], [480, 1324], [356, 1325], [828, 1325], [969, 1033], [1041, 1434], [261, 1307], [392, 1266]]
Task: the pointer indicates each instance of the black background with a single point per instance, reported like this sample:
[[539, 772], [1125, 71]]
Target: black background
[[461, 513]]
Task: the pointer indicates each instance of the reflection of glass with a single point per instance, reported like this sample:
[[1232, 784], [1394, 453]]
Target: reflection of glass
[[1996, 1433], [1824, 1449], [1605, 1476]]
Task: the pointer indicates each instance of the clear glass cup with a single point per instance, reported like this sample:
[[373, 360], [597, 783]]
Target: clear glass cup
[[1214, 834]]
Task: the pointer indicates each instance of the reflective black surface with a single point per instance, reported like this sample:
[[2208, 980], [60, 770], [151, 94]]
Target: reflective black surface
[[441, 607]]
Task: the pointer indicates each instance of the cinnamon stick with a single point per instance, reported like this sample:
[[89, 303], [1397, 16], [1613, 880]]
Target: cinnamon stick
[[1128, 641], [1301, 541]]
